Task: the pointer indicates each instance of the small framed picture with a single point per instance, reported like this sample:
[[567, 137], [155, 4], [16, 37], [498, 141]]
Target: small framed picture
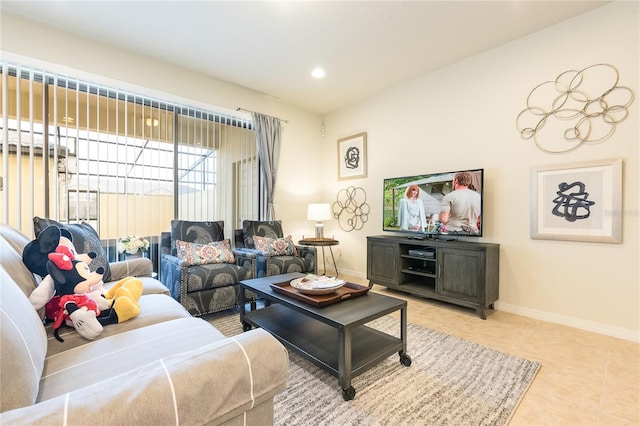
[[577, 202], [352, 157]]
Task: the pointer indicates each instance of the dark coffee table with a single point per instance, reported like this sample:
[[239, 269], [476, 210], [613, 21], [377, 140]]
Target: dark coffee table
[[334, 337]]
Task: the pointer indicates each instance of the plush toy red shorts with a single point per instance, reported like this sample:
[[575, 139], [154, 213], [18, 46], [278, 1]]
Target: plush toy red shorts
[[81, 300]]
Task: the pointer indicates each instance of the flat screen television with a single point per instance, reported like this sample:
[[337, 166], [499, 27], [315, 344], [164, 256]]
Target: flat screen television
[[435, 204]]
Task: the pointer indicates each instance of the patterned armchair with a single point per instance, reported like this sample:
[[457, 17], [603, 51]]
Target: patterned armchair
[[201, 269], [275, 253]]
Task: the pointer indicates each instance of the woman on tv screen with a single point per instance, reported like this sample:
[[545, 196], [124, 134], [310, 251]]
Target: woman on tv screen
[[411, 215]]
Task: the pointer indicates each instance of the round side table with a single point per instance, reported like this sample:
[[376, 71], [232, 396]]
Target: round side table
[[322, 242]]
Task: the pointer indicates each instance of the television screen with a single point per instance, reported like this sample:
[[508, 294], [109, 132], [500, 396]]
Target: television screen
[[435, 204]]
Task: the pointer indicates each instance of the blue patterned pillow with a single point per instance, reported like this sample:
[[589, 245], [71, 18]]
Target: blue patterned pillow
[[202, 254], [85, 239], [269, 229], [195, 232]]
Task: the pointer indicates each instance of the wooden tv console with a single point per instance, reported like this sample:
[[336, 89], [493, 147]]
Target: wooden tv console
[[459, 272]]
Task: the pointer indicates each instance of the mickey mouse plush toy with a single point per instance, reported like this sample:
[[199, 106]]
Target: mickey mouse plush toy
[[118, 304], [74, 282], [35, 257]]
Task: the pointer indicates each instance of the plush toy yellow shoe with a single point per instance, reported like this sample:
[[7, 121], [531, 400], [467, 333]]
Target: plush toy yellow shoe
[[125, 295], [125, 308], [131, 284]]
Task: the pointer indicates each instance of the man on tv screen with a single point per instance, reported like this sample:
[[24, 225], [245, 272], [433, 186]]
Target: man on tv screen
[[460, 211]]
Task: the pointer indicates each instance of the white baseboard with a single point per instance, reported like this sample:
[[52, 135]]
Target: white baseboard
[[348, 273], [607, 330], [595, 327]]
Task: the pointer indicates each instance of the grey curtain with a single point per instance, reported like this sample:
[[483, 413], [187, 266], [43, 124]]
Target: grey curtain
[[268, 135]]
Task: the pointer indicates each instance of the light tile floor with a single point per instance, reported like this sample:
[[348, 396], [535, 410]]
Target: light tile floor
[[585, 379]]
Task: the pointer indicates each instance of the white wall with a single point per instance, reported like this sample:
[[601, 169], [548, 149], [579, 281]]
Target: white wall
[[462, 117], [459, 117]]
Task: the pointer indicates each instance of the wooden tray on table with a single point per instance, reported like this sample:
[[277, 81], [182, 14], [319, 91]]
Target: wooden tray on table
[[347, 291]]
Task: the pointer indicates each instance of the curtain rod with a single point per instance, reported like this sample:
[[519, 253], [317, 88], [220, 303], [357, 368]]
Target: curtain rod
[[246, 110]]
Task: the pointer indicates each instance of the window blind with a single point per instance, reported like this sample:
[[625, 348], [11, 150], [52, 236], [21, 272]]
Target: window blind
[[126, 163]]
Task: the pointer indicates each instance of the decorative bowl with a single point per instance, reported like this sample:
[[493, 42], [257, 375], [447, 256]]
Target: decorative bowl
[[317, 287]]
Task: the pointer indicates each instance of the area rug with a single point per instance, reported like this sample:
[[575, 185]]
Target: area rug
[[450, 382]]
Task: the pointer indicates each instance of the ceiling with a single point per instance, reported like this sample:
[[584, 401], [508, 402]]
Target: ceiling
[[271, 47]]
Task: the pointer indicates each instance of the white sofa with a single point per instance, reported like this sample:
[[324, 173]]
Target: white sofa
[[162, 367]]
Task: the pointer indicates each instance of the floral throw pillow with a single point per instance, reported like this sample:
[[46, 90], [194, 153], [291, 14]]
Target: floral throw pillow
[[275, 246], [202, 254]]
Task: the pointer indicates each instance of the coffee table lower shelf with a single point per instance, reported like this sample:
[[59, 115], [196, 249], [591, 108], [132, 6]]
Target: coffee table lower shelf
[[323, 345]]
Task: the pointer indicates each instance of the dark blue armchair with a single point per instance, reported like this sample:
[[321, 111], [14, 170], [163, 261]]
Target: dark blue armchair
[[276, 254], [200, 274]]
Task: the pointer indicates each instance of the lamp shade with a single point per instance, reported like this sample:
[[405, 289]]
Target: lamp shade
[[319, 211]]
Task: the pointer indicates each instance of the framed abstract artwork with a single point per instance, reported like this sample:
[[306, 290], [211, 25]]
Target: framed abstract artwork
[[577, 202], [352, 157]]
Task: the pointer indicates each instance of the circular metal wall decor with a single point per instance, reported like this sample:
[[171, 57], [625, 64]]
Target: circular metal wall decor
[[351, 208], [577, 107]]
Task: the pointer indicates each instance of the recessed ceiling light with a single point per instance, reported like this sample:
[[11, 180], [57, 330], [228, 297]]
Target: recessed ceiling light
[[317, 73], [68, 120]]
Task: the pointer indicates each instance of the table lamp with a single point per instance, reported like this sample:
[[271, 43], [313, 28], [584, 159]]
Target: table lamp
[[319, 212]]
